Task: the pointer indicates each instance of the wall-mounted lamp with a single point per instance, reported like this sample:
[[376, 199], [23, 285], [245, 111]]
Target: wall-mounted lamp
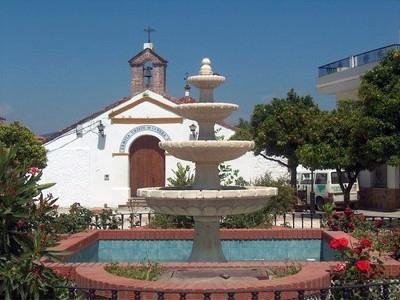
[[193, 128], [100, 128]]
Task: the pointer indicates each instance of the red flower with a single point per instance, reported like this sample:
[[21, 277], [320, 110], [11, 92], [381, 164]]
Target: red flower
[[378, 223], [358, 250], [335, 227], [350, 226], [339, 243], [348, 211], [364, 266], [337, 215], [365, 243], [34, 170], [340, 267]]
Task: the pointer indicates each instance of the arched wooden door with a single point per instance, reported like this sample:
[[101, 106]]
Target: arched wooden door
[[147, 163]]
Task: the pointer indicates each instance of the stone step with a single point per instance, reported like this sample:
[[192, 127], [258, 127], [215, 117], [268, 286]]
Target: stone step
[[135, 202]]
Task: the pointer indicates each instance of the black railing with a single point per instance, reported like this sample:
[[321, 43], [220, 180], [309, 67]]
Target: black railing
[[356, 60], [291, 219], [385, 290]]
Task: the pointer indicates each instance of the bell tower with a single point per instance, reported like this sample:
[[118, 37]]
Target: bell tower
[[148, 69]]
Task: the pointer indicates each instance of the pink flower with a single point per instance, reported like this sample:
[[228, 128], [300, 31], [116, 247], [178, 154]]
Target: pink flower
[[340, 267], [34, 170]]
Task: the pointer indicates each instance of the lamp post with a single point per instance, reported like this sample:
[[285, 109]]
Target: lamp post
[[312, 194], [100, 128], [193, 128]]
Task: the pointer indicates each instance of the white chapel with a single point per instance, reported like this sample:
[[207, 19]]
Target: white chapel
[[105, 157]]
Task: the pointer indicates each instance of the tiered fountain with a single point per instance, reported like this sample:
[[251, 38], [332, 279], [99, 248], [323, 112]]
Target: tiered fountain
[[207, 200]]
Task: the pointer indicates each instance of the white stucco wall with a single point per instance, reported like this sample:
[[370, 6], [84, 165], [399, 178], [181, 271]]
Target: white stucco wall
[[78, 164]]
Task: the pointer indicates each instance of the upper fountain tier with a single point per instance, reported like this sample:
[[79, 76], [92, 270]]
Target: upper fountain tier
[[206, 112], [206, 81]]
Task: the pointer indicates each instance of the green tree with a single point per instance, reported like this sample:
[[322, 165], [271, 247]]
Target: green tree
[[380, 96], [243, 131], [340, 141], [280, 128], [28, 147]]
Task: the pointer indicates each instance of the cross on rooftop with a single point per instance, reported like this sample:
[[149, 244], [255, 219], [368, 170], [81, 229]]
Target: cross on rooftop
[[149, 30]]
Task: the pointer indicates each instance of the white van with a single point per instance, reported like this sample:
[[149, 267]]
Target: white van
[[326, 187]]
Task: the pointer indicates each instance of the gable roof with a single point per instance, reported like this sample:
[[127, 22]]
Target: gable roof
[[132, 60], [51, 136]]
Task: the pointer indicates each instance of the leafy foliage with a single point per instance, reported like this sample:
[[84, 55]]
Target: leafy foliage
[[147, 271], [78, 219], [25, 231], [229, 176], [380, 94], [243, 132], [108, 220], [27, 146], [359, 261], [183, 177], [280, 128], [342, 142], [281, 203], [359, 135]]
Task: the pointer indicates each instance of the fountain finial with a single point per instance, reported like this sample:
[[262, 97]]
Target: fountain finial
[[205, 68], [206, 81]]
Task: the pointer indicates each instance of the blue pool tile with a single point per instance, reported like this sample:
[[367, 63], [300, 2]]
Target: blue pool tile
[[179, 250]]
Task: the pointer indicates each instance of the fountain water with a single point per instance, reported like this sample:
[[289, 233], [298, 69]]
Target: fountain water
[[207, 200]]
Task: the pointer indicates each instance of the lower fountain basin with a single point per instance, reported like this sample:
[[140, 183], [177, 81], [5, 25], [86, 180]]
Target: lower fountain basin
[[229, 201]]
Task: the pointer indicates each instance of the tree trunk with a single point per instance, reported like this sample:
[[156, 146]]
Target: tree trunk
[[293, 176], [346, 197]]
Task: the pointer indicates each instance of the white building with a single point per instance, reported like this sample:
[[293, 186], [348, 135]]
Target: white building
[[379, 189], [106, 157]]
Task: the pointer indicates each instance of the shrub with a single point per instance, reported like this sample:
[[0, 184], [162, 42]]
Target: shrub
[[28, 148], [348, 221], [279, 204], [107, 220], [25, 231], [358, 266], [78, 219], [147, 271], [183, 176]]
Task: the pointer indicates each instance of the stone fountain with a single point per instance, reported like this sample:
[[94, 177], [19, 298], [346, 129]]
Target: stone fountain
[[207, 201]]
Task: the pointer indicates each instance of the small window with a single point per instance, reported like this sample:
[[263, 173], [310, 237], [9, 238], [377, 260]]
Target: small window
[[321, 178], [380, 176], [306, 179], [335, 178]]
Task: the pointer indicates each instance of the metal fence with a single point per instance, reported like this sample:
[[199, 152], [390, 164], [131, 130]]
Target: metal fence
[[299, 220], [386, 290]]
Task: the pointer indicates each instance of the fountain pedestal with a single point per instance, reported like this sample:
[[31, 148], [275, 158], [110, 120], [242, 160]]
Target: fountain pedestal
[[206, 241]]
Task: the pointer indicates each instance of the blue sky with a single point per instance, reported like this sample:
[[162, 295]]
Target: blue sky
[[62, 60]]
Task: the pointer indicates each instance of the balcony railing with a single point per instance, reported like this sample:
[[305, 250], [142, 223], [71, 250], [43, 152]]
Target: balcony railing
[[356, 60]]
